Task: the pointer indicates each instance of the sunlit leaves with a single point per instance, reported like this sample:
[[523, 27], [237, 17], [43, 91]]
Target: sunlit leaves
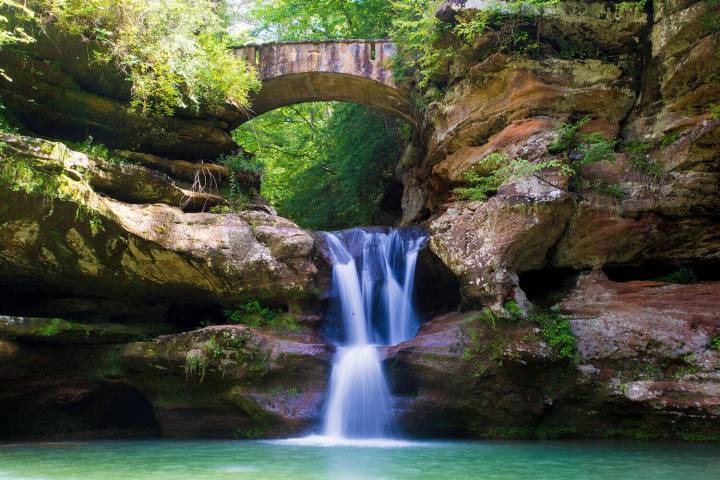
[[172, 51], [11, 31], [282, 20]]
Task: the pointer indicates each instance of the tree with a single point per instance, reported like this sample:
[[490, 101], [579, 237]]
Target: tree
[[12, 14], [327, 165], [174, 52], [283, 20]]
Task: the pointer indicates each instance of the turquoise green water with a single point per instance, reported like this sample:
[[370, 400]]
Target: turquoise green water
[[161, 460]]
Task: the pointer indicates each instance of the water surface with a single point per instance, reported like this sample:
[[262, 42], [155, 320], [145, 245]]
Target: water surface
[[184, 460]]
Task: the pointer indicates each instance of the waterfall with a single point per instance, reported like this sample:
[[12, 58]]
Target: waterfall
[[372, 280]]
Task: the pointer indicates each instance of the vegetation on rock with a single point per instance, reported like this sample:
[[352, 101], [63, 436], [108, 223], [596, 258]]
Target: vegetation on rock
[[253, 314], [557, 331], [11, 31], [173, 52]]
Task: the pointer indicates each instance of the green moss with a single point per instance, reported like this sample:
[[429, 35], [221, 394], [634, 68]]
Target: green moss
[[54, 327], [281, 389], [633, 8], [111, 364], [474, 348], [669, 138], [20, 175], [715, 343], [711, 17], [639, 158], [251, 433], [235, 348], [714, 111], [700, 437]]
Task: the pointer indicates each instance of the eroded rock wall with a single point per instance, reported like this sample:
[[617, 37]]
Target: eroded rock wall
[[645, 368], [645, 77]]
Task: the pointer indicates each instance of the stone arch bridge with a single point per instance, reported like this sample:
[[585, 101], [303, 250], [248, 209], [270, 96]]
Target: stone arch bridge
[[343, 70]]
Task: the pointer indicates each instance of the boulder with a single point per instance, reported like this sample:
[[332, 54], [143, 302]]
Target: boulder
[[231, 381], [487, 244]]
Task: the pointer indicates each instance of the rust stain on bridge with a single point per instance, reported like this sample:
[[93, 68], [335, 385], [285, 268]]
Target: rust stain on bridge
[[342, 70]]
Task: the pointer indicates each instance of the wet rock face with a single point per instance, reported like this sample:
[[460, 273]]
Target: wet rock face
[[108, 245], [643, 319], [645, 368]]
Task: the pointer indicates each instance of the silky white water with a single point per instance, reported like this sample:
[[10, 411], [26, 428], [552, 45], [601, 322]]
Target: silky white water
[[372, 275]]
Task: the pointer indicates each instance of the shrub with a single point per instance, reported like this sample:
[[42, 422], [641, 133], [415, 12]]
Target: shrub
[[681, 275], [715, 343], [96, 150], [566, 136], [174, 52], [237, 198], [423, 38], [212, 348], [241, 162], [480, 187], [613, 190], [556, 331], [594, 147], [195, 365], [640, 160], [253, 314], [669, 138], [514, 310], [585, 148]]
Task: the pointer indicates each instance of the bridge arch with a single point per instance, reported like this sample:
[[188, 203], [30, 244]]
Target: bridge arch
[[342, 70]]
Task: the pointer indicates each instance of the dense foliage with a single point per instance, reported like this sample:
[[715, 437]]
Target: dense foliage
[[11, 31], [172, 51], [427, 44], [327, 165], [321, 19]]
